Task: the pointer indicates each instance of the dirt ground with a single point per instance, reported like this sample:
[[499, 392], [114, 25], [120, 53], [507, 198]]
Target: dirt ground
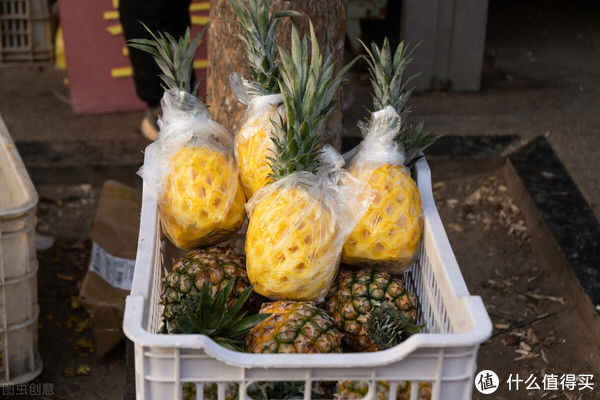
[[66, 214], [536, 330]]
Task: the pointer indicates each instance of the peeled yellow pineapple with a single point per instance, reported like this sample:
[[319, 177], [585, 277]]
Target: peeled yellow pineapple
[[388, 235], [290, 245], [253, 144], [202, 202], [391, 229], [191, 165]]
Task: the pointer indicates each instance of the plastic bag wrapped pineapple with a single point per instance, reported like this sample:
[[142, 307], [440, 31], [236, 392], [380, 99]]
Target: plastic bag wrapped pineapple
[[253, 142], [388, 235], [192, 166], [299, 222]]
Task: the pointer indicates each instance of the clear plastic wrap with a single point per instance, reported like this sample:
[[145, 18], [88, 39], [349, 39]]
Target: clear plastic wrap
[[193, 170], [297, 227], [387, 236], [253, 144]]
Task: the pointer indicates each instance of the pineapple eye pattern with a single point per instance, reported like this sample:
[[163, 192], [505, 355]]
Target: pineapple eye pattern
[[200, 205]]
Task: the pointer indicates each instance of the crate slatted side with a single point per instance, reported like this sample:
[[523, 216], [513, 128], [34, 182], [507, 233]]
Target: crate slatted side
[[25, 36], [19, 358]]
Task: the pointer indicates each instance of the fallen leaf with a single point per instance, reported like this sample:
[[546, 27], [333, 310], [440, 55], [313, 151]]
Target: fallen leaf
[[75, 304], [82, 325], [84, 344], [83, 369], [68, 373], [65, 277], [452, 202], [544, 356], [544, 297], [456, 227], [72, 322], [525, 346]]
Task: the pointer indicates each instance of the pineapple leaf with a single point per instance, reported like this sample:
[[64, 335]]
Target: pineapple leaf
[[388, 326], [259, 27], [308, 90], [202, 313], [173, 57], [390, 88]]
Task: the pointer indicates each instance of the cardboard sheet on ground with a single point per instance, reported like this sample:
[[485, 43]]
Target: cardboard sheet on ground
[[109, 277]]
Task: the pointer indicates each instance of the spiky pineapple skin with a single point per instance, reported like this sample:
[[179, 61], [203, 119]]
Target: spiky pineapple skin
[[290, 246], [387, 237], [355, 293], [294, 327], [357, 390], [253, 146], [214, 266], [202, 202]]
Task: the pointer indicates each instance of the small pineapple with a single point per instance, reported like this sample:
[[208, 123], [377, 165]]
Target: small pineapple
[[293, 239], [201, 200], [214, 266], [294, 327], [357, 390], [253, 143], [388, 235], [356, 295]]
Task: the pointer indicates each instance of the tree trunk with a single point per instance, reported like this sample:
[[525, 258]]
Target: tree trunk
[[226, 55]]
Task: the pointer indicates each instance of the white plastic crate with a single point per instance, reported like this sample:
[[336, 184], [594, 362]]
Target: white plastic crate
[[20, 360], [444, 354]]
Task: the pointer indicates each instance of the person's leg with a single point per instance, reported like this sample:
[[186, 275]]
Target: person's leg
[[170, 16]]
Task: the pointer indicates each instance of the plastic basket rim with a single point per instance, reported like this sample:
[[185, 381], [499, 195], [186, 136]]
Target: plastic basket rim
[[7, 142], [135, 303]]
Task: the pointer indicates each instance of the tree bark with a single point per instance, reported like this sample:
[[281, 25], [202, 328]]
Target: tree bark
[[226, 55]]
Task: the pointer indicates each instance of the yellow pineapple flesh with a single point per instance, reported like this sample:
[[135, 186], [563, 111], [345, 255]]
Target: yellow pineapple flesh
[[253, 144], [202, 202], [291, 246], [388, 234]]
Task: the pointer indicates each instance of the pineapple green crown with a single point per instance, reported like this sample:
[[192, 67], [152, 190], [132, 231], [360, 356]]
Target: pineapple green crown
[[258, 36], [390, 88], [175, 58], [308, 91], [202, 313], [388, 326]]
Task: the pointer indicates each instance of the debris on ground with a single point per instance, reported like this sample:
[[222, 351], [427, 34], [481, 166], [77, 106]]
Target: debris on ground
[[534, 323]]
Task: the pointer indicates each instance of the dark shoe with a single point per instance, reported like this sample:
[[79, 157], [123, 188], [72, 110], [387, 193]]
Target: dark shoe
[[149, 125]]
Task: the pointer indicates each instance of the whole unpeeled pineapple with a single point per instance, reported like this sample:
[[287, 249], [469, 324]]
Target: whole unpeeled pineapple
[[294, 327], [389, 233], [201, 201], [213, 266], [293, 239], [253, 143], [356, 295]]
